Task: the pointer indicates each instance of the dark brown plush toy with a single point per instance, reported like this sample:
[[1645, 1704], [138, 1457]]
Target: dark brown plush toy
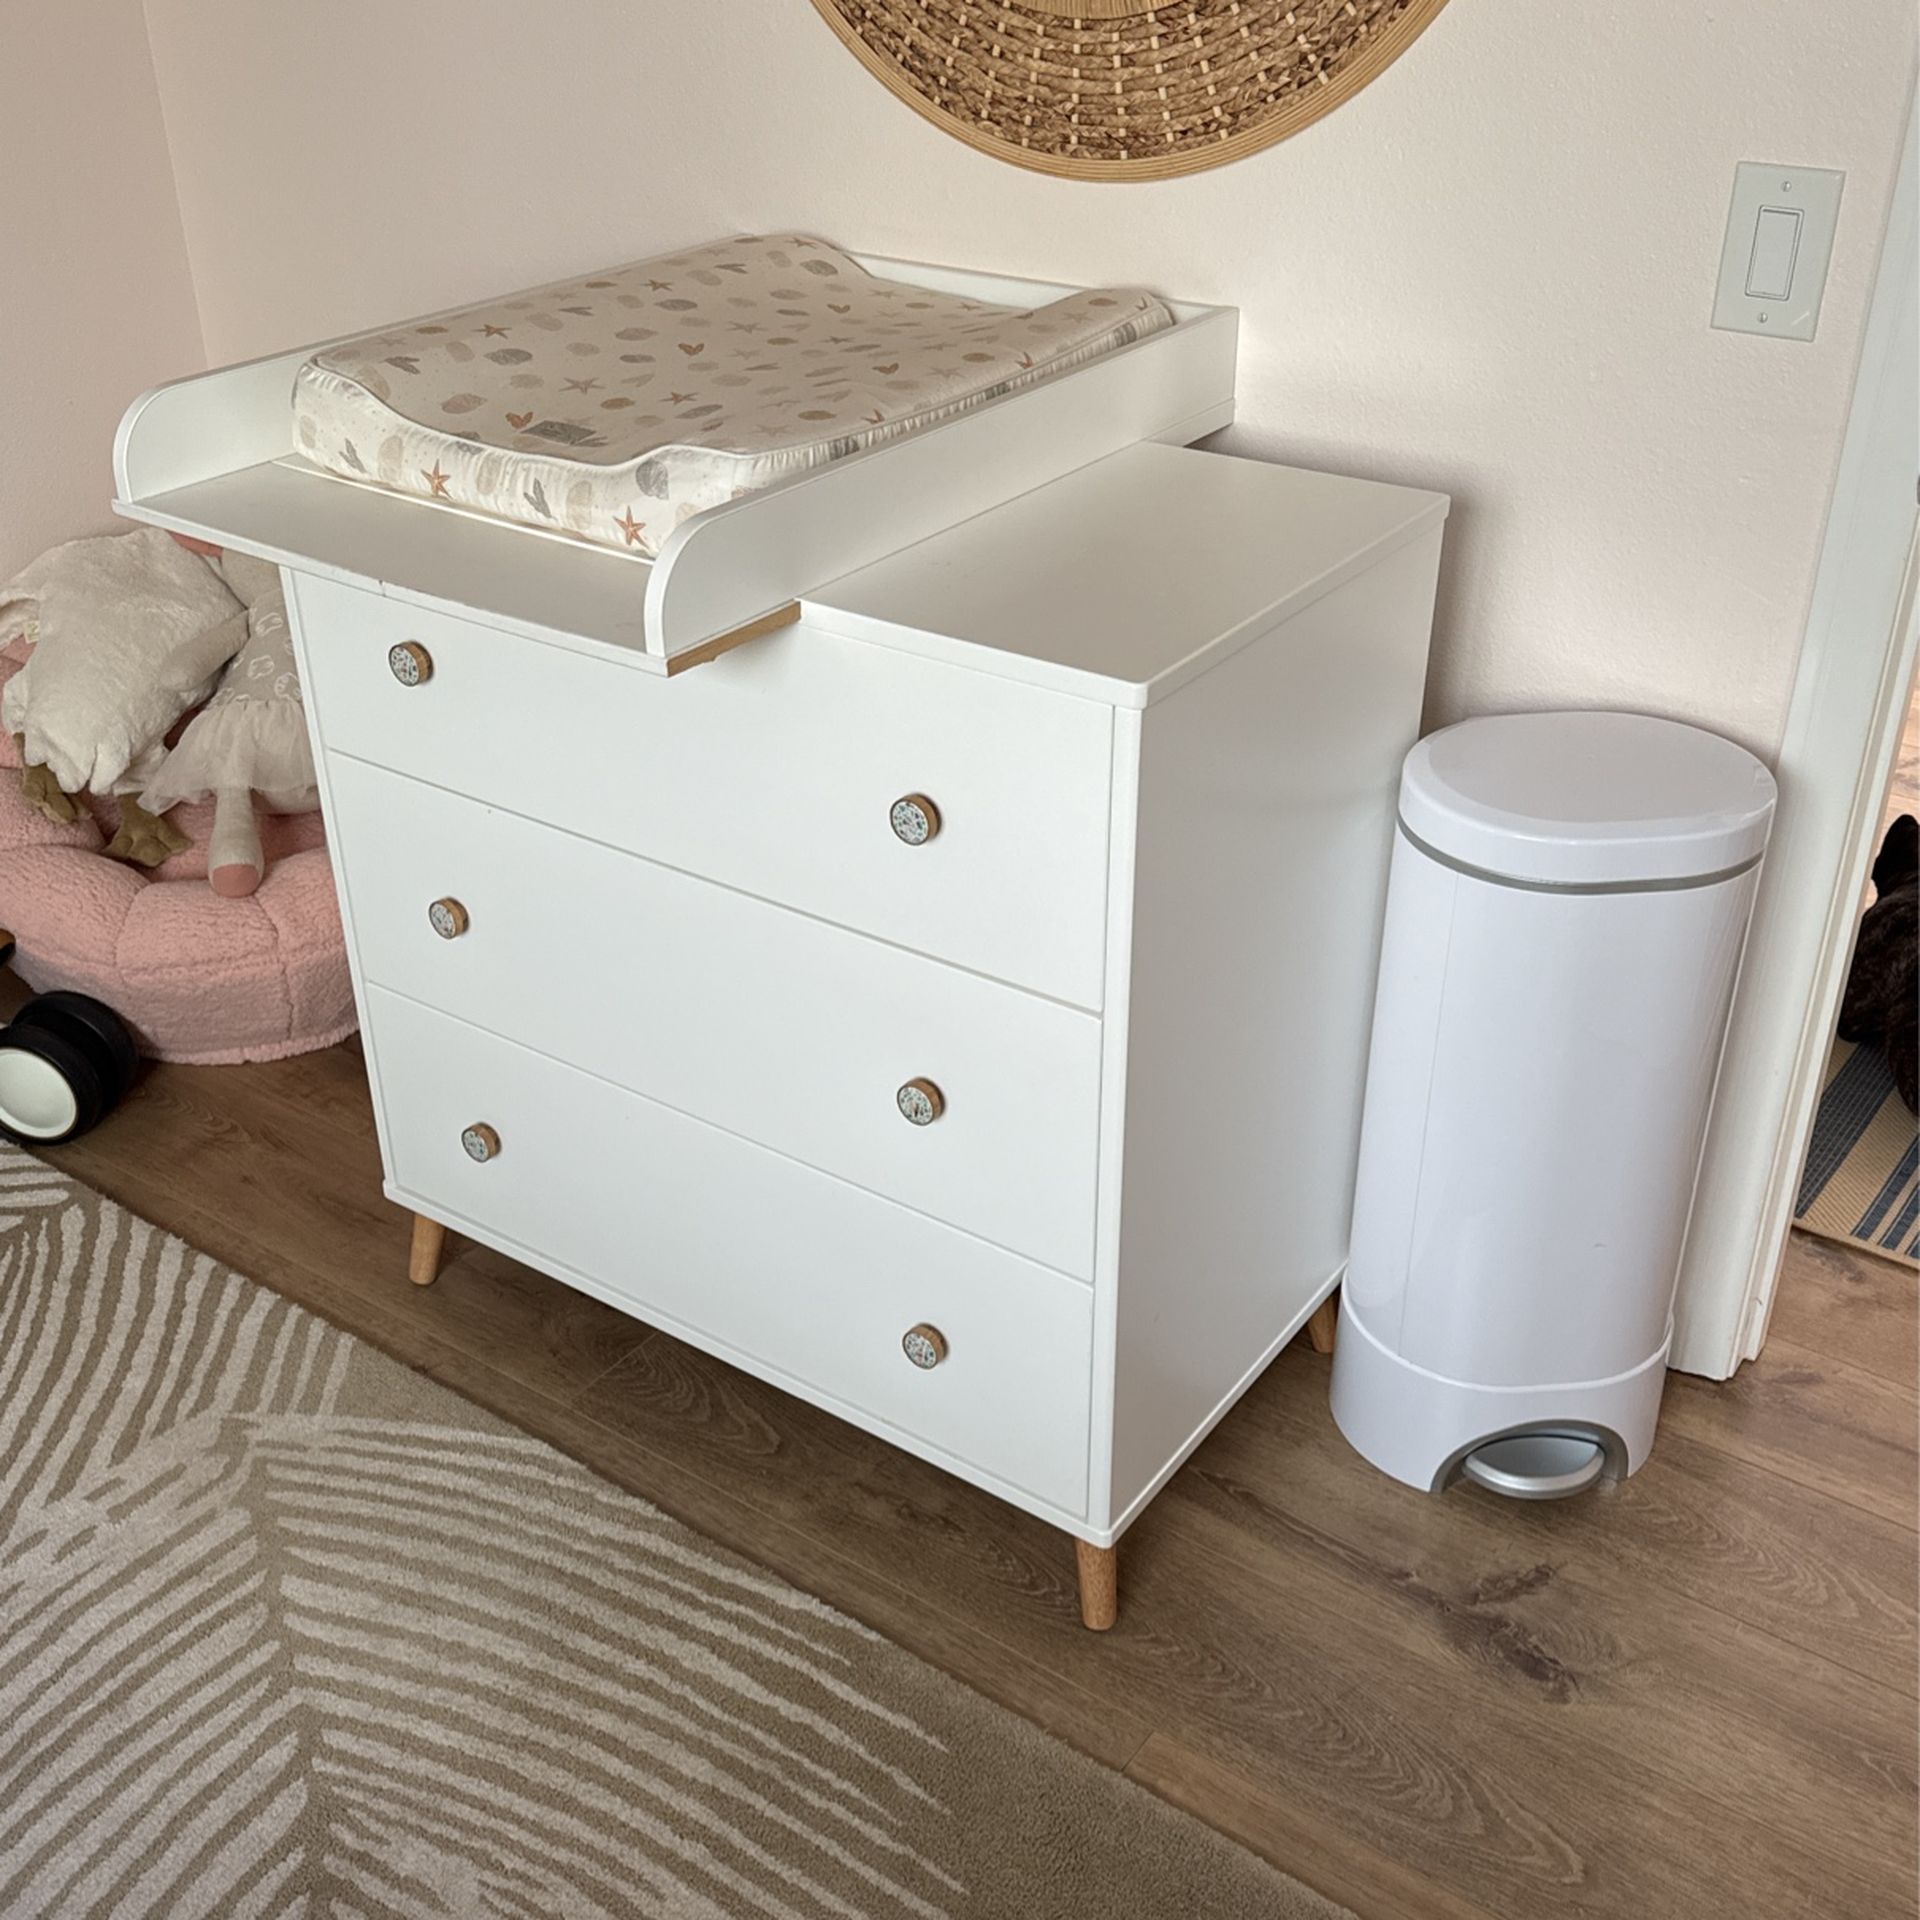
[[1881, 1006]]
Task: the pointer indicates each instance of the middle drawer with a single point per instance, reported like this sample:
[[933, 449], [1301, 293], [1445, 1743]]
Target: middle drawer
[[787, 1030]]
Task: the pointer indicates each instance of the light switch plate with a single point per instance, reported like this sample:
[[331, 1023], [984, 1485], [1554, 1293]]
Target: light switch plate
[[1773, 262]]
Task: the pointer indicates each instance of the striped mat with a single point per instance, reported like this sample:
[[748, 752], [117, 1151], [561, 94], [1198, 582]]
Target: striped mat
[[288, 1631], [1862, 1179]]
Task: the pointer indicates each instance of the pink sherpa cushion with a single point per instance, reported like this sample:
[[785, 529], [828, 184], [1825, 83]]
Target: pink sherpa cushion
[[200, 979]]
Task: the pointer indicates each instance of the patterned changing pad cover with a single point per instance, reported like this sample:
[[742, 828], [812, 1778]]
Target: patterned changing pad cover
[[613, 406]]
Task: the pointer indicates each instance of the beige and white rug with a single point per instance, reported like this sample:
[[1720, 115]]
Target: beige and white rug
[[286, 1629], [1861, 1182]]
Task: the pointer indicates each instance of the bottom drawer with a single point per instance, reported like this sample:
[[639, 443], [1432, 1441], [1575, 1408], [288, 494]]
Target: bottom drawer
[[789, 1272]]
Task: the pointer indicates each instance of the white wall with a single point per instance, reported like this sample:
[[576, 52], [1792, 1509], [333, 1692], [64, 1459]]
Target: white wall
[[1491, 272], [96, 302]]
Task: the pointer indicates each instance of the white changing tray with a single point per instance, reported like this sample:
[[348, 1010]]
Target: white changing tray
[[210, 456]]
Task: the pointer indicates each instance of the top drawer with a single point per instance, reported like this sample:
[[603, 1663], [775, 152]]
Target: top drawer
[[774, 768]]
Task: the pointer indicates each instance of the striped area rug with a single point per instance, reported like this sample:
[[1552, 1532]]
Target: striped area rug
[[1862, 1179], [288, 1630]]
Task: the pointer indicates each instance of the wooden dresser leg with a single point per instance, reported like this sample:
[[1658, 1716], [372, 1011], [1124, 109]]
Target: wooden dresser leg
[[1099, 1584], [429, 1243], [1322, 1322]]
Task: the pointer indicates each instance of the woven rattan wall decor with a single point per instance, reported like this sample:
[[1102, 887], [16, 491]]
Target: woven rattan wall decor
[[1125, 89]]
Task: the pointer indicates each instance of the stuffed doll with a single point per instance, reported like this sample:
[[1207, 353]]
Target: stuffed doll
[[128, 633], [248, 745]]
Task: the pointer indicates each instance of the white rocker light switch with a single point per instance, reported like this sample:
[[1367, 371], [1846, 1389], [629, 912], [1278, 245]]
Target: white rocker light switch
[[1773, 262]]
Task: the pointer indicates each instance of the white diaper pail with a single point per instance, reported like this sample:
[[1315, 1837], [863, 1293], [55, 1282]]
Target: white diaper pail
[[1569, 896]]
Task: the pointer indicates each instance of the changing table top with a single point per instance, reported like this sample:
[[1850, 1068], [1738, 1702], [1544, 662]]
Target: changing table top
[[1123, 580], [222, 455]]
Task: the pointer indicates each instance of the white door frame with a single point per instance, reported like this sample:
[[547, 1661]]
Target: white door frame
[[1843, 728]]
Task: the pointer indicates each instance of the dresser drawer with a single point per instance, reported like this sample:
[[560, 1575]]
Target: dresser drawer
[[797, 1276], [789, 1030], [774, 769]]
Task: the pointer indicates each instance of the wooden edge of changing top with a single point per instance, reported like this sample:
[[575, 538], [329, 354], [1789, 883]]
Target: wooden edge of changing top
[[726, 642]]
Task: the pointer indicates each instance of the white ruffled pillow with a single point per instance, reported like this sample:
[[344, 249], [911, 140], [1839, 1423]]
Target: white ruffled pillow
[[130, 631]]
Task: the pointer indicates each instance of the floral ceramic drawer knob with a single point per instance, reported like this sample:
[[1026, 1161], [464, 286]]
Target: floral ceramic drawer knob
[[921, 1102], [480, 1141], [915, 819], [448, 918], [410, 663], [924, 1345]]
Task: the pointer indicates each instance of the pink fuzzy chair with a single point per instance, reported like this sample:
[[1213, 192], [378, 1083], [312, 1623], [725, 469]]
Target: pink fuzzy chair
[[200, 979]]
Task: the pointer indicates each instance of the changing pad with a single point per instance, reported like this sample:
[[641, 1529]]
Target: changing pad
[[613, 406]]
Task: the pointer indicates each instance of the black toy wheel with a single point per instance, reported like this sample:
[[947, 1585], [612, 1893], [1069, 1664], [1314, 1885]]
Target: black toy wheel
[[50, 1089], [94, 1028]]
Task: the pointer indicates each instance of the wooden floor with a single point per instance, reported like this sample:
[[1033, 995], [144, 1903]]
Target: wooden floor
[[1694, 1695]]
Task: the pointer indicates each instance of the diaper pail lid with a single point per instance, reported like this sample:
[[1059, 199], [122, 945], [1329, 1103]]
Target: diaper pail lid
[[1586, 799]]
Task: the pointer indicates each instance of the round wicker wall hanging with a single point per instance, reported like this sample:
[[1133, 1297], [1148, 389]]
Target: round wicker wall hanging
[[1125, 89]]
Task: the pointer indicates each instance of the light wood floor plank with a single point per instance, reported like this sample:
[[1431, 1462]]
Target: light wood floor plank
[[1849, 1306], [1698, 1523], [1272, 1823], [1533, 1602], [1826, 1425]]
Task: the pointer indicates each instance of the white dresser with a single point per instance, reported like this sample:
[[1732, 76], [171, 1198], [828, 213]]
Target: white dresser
[[951, 1007]]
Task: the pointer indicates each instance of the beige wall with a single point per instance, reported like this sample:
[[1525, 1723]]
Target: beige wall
[[96, 301], [1491, 272]]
